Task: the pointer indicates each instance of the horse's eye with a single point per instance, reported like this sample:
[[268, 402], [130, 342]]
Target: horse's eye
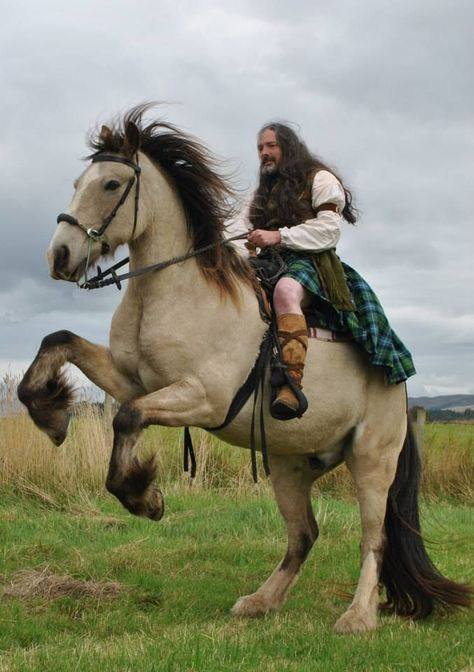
[[112, 185]]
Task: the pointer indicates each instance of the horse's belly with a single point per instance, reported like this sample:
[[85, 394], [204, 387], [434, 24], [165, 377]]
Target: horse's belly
[[316, 432], [335, 384]]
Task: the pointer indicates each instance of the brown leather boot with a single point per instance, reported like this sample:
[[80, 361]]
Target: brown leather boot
[[293, 335]]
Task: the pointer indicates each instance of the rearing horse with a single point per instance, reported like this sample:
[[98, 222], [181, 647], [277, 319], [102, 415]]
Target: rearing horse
[[182, 342]]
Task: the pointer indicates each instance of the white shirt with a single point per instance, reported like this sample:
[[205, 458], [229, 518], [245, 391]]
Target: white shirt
[[313, 235]]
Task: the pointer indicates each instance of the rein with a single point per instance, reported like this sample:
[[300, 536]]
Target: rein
[[98, 235], [97, 282]]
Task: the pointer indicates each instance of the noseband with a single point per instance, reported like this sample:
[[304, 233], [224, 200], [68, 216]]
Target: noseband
[[97, 235]]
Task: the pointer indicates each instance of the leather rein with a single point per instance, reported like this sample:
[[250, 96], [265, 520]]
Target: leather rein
[[98, 235]]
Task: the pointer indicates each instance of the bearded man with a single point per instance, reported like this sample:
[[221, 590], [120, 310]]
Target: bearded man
[[298, 207]]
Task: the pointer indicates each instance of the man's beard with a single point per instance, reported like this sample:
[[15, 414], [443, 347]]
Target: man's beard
[[269, 169]]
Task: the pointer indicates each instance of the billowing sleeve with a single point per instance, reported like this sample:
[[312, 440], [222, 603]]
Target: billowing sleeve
[[323, 231], [239, 225]]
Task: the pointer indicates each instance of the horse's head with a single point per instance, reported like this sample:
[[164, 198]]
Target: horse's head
[[103, 213], [181, 201]]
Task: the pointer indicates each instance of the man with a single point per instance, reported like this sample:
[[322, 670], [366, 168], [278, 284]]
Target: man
[[299, 206]]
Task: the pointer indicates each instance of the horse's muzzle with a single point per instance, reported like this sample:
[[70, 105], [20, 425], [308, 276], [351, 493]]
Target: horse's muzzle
[[62, 265], [61, 256]]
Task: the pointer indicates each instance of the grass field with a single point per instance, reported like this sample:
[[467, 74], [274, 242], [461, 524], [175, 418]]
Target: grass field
[[88, 587], [32, 464], [158, 594]]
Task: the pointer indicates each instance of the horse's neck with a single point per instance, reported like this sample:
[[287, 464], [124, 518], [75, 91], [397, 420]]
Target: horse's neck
[[180, 288], [164, 232]]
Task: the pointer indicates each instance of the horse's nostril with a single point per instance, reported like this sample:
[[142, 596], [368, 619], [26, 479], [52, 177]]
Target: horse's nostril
[[61, 257]]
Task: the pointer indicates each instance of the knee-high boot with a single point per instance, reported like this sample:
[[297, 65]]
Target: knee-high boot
[[293, 336]]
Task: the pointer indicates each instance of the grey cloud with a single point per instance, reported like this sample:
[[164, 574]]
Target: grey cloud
[[379, 89]]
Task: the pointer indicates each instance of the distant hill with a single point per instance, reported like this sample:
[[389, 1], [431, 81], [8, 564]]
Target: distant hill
[[458, 403], [443, 402]]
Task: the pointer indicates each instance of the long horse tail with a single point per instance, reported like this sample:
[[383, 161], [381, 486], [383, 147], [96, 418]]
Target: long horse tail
[[414, 586]]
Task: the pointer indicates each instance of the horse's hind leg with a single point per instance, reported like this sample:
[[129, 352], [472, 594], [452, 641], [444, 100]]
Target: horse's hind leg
[[372, 463], [291, 479]]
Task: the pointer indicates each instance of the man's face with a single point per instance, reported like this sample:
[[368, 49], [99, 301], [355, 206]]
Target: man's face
[[269, 152]]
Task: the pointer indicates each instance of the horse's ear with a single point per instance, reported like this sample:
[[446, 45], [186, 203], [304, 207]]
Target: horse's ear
[[106, 136], [131, 140]]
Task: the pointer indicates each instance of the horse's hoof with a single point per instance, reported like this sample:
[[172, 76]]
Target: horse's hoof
[[252, 606], [48, 406], [59, 433], [58, 439], [151, 506], [155, 506], [354, 622]]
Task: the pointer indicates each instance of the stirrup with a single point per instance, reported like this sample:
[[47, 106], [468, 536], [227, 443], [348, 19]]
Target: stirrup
[[281, 411]]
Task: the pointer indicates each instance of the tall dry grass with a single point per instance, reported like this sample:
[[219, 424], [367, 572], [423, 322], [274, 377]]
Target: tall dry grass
[[30, 463]]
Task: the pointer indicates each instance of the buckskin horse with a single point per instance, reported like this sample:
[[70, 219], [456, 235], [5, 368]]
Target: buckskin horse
[[183, 341]]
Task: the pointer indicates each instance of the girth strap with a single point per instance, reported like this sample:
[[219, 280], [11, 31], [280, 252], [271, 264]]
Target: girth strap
[[254, 383]]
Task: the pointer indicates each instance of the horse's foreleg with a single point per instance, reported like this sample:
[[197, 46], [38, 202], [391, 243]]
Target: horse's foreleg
[[291, 479], [131, 481], [372, 465], [45, 391]]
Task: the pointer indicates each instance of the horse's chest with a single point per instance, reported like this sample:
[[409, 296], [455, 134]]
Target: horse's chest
[[162, 357]]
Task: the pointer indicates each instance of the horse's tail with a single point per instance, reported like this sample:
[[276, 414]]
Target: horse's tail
[[413, 584]]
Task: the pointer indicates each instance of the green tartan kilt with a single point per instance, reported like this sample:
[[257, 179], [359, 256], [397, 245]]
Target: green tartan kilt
[[368, 325]]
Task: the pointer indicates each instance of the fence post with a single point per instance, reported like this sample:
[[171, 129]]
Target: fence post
[[420, 418]]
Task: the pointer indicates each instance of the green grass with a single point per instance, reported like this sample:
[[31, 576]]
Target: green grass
[[181, 576]]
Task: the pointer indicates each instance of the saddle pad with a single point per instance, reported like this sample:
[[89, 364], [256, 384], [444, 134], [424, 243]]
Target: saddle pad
[[327, 335]]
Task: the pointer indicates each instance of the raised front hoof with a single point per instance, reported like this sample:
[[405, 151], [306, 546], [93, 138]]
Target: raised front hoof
[[252, 606], [55, 424], [355, 622], [155, 506], [151, 506], [48, 406], [56, 435]]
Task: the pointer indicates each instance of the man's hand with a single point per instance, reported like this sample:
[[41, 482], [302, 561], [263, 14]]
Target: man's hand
[[262, 238]]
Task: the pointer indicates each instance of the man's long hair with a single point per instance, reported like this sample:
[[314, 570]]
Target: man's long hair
[[287, 186]]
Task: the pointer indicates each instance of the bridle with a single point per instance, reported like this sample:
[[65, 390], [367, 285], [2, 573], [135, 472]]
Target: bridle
[[98, 235]]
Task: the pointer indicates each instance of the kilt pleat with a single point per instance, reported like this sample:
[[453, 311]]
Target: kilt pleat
[[368, 324]]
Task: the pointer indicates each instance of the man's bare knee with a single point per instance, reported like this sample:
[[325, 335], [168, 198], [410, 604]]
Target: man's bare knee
[[288, 296]]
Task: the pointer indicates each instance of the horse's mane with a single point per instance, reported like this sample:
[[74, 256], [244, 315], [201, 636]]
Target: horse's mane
[[204, 193]]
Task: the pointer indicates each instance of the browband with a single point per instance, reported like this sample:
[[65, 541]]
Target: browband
[[116, 159]]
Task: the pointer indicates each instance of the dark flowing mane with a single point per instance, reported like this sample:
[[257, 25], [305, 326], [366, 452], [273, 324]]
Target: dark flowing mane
[[205, 194]]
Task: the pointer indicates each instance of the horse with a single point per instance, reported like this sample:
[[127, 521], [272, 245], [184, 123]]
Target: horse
[[182, 342]]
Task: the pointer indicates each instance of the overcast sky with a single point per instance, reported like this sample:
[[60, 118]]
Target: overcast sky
[[381, 90]]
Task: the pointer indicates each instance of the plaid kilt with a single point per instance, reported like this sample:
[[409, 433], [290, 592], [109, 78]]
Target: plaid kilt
[[368, 326]]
